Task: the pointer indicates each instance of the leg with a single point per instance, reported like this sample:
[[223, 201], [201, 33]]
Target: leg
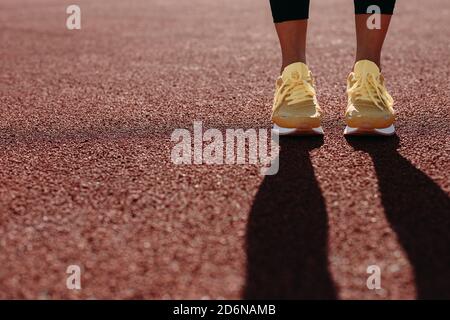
[[370, 108], [295, 110], [370, 41], [291, 21]]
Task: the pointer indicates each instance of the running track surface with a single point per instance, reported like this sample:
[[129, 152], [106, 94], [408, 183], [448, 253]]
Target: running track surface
[[86, 176]]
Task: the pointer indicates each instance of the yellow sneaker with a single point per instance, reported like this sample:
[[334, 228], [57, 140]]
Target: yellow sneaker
[[370, 107], [295, 109]]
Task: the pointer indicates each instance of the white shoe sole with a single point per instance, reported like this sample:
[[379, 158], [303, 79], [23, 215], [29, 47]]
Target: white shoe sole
[[389, 131], [296, 131]]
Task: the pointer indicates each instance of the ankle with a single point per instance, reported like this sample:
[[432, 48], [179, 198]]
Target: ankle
[[288, 61], [374, 59]]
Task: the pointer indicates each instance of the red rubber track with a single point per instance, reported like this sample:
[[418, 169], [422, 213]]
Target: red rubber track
[[86, 176]]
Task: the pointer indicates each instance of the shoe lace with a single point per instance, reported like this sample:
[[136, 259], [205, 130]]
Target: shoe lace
[[371, 87], [295, 90]]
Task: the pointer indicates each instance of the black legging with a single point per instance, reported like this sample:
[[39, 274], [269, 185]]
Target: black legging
[[285, 10]]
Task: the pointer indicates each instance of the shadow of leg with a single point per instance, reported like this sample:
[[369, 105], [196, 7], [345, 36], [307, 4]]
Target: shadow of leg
[[419, 212], [288, 230]]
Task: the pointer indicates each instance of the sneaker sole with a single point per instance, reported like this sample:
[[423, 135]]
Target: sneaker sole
[[296, 131], [389, 131]]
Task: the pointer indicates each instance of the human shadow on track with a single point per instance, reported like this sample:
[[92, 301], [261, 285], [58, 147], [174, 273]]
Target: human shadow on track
[[287, 232], [418, 211]]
